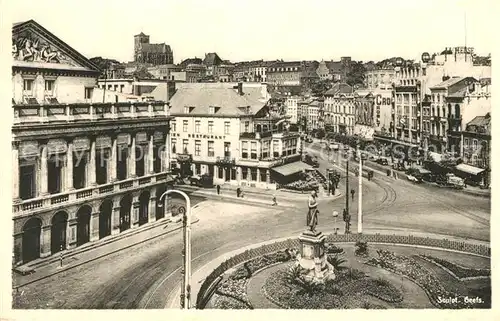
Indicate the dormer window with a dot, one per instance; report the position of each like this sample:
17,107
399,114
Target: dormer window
211,110
186,110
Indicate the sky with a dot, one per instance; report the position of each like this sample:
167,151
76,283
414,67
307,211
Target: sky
265,29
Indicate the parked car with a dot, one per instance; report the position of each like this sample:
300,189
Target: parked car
414,175
202,180
382,161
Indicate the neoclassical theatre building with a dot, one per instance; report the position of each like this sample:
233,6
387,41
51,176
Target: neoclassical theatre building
82,170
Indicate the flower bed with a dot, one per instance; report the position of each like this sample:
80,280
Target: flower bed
234,287
224,302
351,289
330,248
428,281
456,270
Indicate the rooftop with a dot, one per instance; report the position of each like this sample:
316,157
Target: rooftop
339,88
227,100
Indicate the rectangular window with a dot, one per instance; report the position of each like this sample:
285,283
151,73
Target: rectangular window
253,171
211,148
244,149
121,163
226,128
197,148
244,173
49,86
27,183
173,126
54,173
28,85
227,149
197,169
185,143
173,142
474,144
79,169
89,92
263,175
102,157
247,126
197,126
233,174
185,126
253,150
220,172
210,126
276,148
265,148
466,143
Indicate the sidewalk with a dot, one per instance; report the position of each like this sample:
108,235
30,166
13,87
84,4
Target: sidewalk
93,251
200,274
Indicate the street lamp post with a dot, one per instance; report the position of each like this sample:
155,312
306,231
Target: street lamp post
346,148
186,252
360,193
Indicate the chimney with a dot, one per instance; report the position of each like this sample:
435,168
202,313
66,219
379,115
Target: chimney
240,89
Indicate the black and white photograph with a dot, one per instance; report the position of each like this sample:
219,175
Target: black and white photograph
248,155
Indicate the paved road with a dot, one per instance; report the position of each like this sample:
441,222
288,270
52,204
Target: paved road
146,275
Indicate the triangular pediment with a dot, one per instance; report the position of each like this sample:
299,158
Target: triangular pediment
34,46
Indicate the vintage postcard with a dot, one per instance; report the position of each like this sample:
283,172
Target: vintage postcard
249,155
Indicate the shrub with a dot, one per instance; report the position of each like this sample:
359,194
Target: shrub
240,273
330,248
336,261
361,248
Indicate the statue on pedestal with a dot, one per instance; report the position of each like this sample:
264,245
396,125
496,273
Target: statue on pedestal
312,214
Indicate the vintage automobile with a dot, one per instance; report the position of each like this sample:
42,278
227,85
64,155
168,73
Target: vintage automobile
203,180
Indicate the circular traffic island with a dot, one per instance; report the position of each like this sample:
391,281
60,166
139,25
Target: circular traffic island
367,276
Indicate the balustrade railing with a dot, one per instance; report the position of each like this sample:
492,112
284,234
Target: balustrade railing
31,113
82,194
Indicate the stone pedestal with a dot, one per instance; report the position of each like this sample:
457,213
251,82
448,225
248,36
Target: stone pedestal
313,257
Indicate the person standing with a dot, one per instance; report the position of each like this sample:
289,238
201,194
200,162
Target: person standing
352,193
238,192
274,200
218,189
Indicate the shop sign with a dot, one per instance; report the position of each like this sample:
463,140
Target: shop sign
81,143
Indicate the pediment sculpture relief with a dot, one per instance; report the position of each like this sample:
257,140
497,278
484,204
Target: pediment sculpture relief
36,49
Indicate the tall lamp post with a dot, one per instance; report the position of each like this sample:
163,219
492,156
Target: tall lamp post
346,148
360,192
186,252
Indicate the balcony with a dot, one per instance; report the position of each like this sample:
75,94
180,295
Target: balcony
80,195
226,160
87,112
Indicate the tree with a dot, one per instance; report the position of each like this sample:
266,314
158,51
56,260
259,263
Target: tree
356,74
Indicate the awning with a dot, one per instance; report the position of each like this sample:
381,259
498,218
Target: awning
292,168
469,169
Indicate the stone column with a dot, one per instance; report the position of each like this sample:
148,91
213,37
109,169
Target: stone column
115,218
151,154
71,236
15,173
18,248
92,161
216,172
45,241
258,175
94,227
44,177
112,162
268,176
131,159
152,205
69,167
166,153
135,211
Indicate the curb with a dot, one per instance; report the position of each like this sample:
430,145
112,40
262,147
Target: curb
15,287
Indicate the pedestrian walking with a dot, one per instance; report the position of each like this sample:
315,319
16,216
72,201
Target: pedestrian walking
218,189
238,192
352,193
274,200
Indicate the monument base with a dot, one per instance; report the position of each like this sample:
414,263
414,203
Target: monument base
313,257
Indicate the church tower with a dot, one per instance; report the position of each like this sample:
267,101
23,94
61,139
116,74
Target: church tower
138,41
